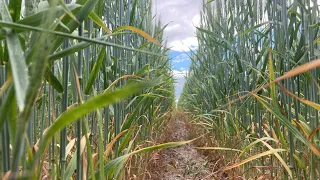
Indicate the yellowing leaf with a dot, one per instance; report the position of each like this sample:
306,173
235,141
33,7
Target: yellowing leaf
296,71
138,31
5,85
122,77
280,159
307,102
253,158
70,146
218,148
110,145
95,18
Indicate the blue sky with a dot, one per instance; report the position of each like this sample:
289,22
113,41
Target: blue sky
181,16
180,66
180,60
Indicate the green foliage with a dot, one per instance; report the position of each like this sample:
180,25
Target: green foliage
243,46
82,74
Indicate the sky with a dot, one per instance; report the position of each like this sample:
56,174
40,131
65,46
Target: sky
182,17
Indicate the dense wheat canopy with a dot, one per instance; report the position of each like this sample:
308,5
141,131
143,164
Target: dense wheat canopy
244,45
83,84
87,89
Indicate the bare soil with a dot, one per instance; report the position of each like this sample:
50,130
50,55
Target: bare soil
179,163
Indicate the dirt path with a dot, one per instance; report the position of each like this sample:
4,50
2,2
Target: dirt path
183,162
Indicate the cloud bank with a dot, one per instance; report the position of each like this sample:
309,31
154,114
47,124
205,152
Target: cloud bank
182,16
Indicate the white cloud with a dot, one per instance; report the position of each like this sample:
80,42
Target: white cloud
178,74
182,16
196,20
184,45
170,28
181,58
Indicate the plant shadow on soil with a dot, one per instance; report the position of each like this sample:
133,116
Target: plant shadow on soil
186,162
